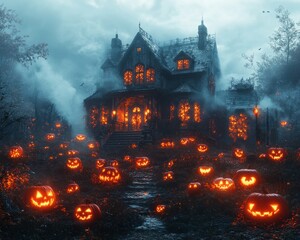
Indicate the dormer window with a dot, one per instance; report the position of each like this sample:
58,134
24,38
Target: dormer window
127,77
139,74
183,64
150,75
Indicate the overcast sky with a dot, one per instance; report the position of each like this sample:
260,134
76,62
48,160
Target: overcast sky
79,31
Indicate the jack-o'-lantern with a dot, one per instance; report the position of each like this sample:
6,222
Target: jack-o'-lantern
94,154
87,212
46,148
167,143
276,154
223,184
221,155
15,152
194,188
205,170
114,163
64,145
74,163
93,145
80,137
133,146
170,163
141,162
100,163
58,125
72,187
40,197
238,153
110,175
168,176
50,137
72,153
202,148
264,207
160,208
247,177
184,141
31,145
262,155
127,158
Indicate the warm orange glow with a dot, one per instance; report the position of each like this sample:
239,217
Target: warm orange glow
58,125
74,163
72,153
92,145
238,153
41,197
31,145
50,137
147,115
167,143
109,175
170,163
141,162
256,111
150,75
127,77
168,176
197,114
172,111
87,212
80,137
223,184
276,154
262,155
127,158
104,116
283,123
202,148
100,163
184,112
114,163
15,152
194,186
14,179
248,181
72,187
238,127
160,208
183,64
139,74
136,119
275,209
205,170
114,113
94,113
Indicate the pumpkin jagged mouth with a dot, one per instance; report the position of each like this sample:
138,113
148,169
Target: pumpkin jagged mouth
73,166
248,182
83,218
223,187
42,204
263,214
276,157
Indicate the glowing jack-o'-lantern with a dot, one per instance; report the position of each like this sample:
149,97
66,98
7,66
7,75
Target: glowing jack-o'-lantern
167,143
110,175
100,163
223,184
87,212
114,163
238,153
72,153
64,145
160,208
168,176
247,177
264,207
58,125
92,145
170,163
72,187
15,152
127,158
184,141
276,154
74,163
202,148
141,162
221,155
133,146
50,137
40,197
80,137
262,155
205,170
194,188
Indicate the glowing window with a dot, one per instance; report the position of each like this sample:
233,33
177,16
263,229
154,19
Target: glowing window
139,49
150,75
127,77
172,110
238,127
184,112
197,117
93,116
183,64
139,74
104,116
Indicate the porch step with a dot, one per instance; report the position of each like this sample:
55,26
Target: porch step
123,139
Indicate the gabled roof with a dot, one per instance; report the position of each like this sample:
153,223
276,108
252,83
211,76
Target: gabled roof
108,63
182,55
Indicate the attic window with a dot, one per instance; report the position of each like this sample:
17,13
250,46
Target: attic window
139,74
127,77
150,75
183,64
138,49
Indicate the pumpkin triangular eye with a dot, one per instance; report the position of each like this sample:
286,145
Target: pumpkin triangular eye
274,206
251,205
88,210
38,195
78,210
50,194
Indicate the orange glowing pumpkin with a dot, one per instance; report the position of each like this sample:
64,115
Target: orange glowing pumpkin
80,137
74,163
239,153
58,125
276,154
72,188
167,143
141,162
264,207
202,148
72,153
114,163
223,184
100,163
168,176
93,145
127,158
15,152
40,197
87,212
64,145
194,188
184,141
109,175
160,208
50,137
247,177
205,170
170,163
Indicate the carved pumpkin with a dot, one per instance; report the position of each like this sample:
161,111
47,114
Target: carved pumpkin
64,145
170,163
141,162
194,188
72,187
168,176
31,145
109,175
223,184
15,152
127,158
202,148
160,208
184,141
114,163
87,212
72,153
40,197
100,163
50,137
167,143
276,154
92,145
74,163
239,153
221,155
80,137
205,170
265,207
58,125
133,146
247,177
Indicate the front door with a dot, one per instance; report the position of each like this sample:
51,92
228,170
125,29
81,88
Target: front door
136,119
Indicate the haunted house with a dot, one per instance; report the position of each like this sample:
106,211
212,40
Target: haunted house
158,89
